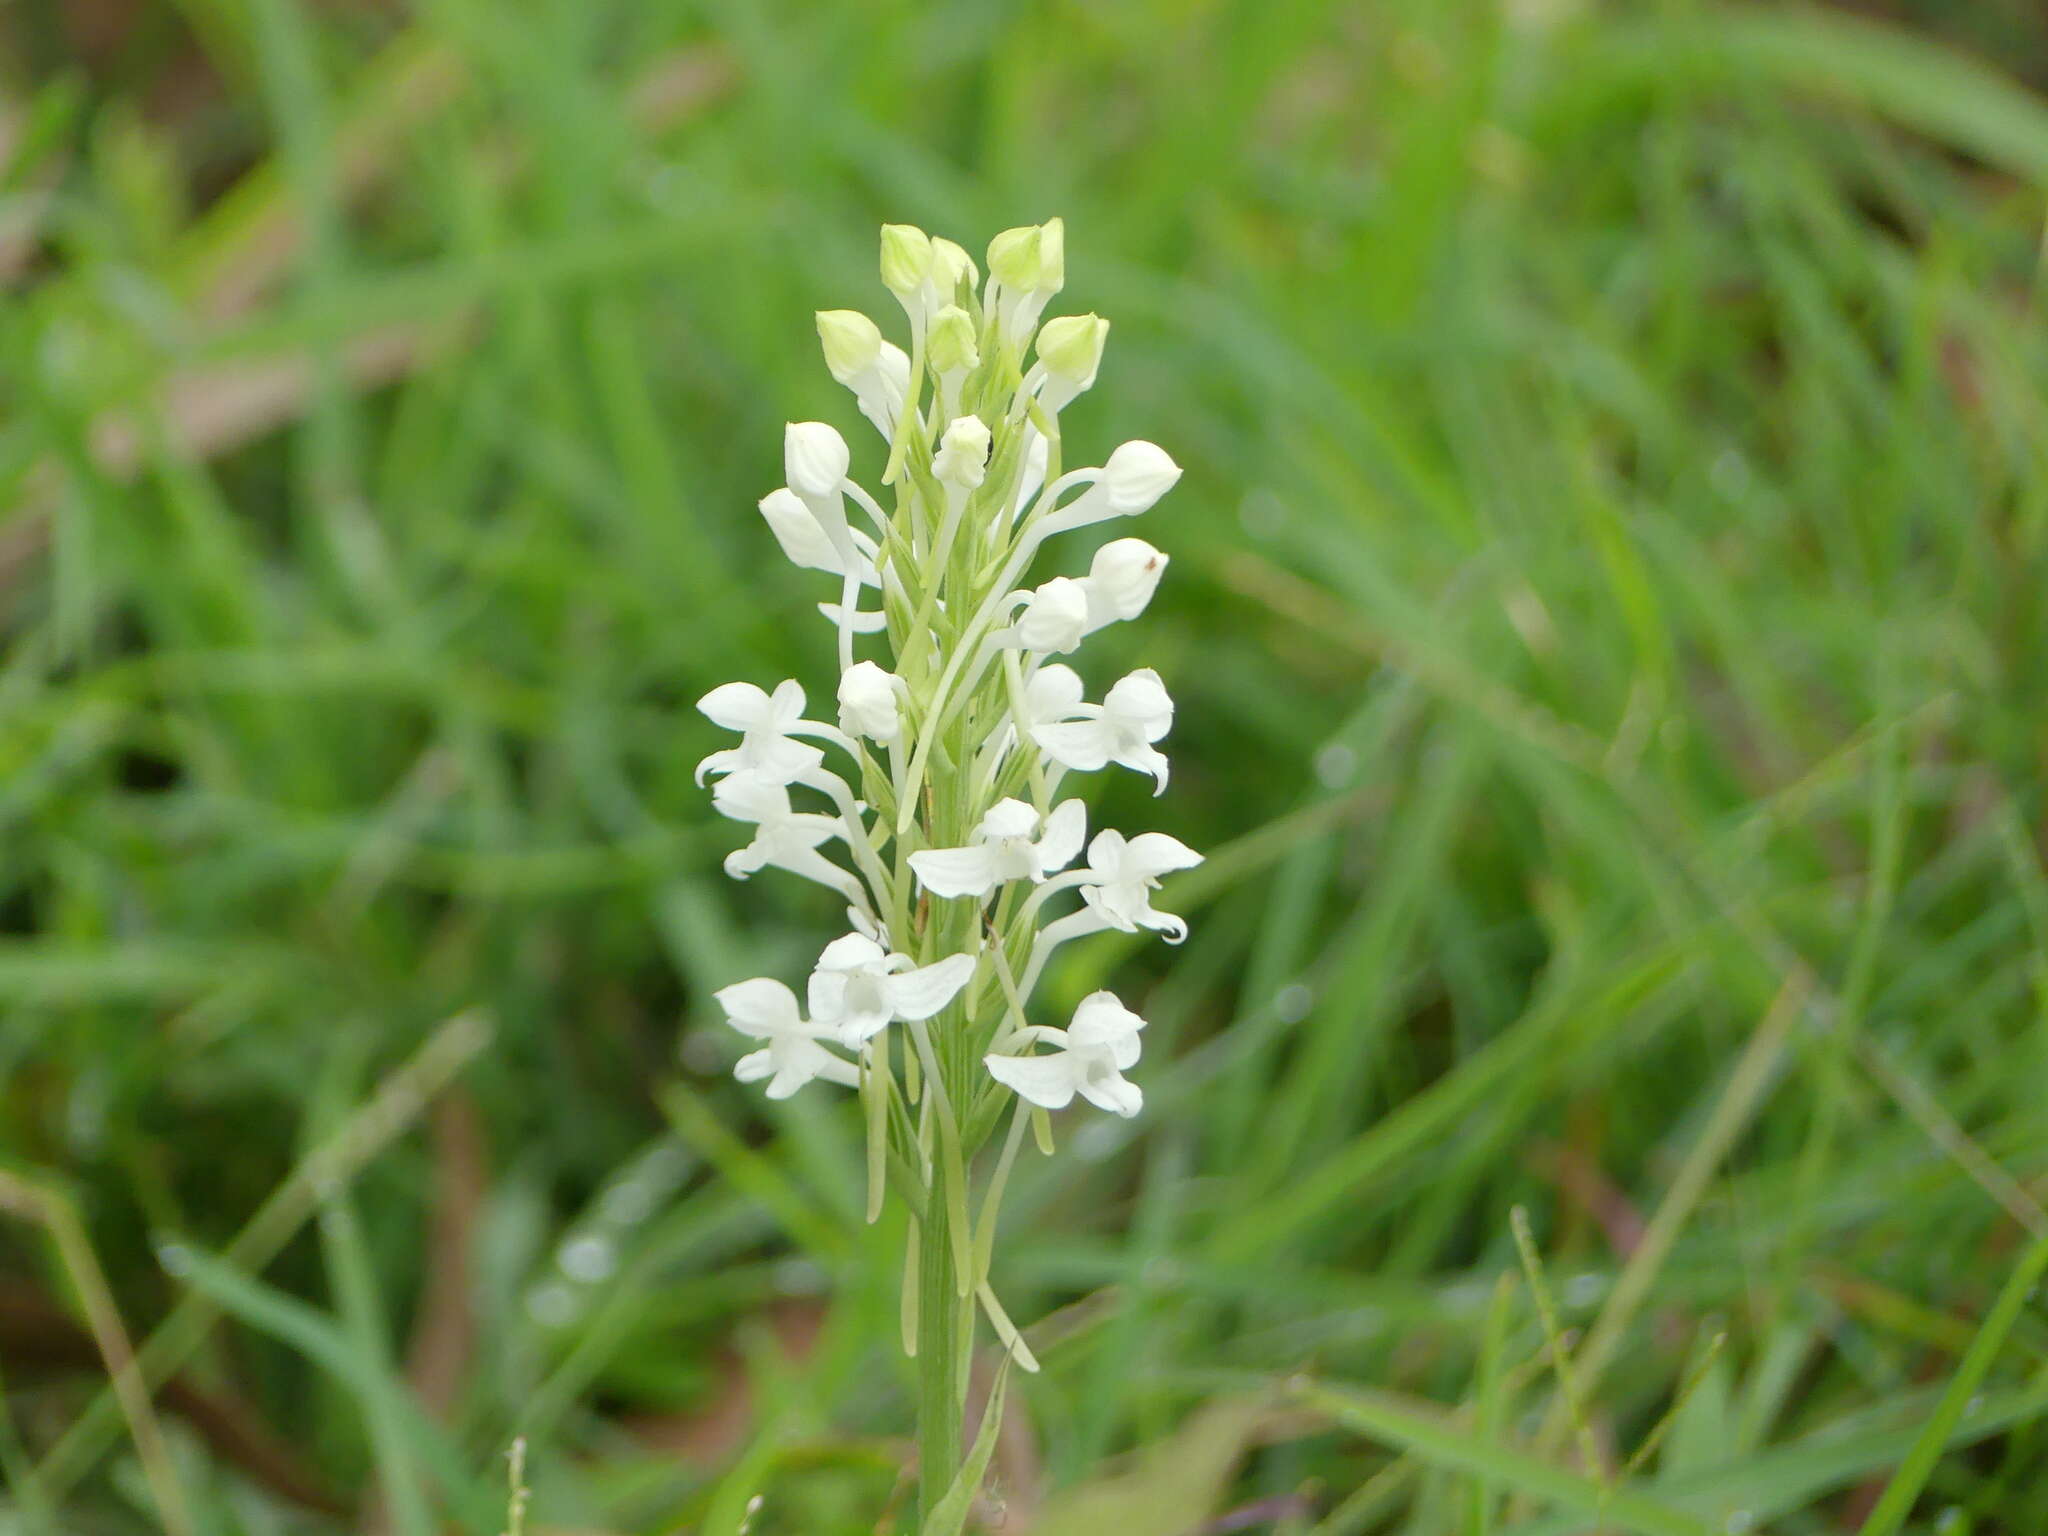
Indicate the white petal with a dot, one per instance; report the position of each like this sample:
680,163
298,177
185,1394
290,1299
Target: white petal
1155,853
827,998
815,458
1083,745
954,871
760,1007
1055,618
1146,759
1008,818
1121,580
923,992
1065,830
1047,1081
1116,1094
864,623
1053,693
1106,855
851,953
1103,1021
1137,475
754,1066
802,539
736,706
1141,700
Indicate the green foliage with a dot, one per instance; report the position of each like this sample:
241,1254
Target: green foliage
1607,629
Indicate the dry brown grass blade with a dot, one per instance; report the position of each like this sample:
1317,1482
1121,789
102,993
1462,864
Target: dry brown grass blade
444,1331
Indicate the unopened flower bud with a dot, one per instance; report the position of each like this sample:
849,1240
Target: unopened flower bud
906,258
815,458
1137,475
1013,257
951,266
1121,580
1055,618
962,458
852,342
950,346
1071,347
870,702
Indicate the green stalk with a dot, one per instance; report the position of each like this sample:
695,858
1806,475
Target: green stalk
942,1380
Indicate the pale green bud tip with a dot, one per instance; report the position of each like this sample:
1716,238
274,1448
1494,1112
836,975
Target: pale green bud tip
851,340
1013,258
1052,255
1071,346
906,257
950,266
950,345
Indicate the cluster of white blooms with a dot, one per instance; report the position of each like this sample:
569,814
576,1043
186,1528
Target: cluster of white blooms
933,803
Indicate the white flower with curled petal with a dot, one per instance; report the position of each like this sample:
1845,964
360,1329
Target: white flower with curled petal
1135,713
859,989
1005,849
806,542
1094,1051
1123,872
1120,581
765,721
877,371
766,1010
783,838
871,702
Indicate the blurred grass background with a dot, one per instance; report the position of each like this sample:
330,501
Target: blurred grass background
1607,620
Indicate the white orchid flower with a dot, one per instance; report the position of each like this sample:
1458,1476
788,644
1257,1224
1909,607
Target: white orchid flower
766,722
871,702
859,989
1123,872
877,371
766,1010
783,838
1135,713
1004,849
1094,1051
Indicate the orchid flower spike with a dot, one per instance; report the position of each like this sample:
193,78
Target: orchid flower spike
940,823
1004,849
1094,1051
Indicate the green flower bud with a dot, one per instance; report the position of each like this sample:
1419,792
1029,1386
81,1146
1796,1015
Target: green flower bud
852,342
1071,347
1013,257
950,344
906,258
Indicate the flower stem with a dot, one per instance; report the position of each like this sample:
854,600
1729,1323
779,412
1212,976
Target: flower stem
942,1379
